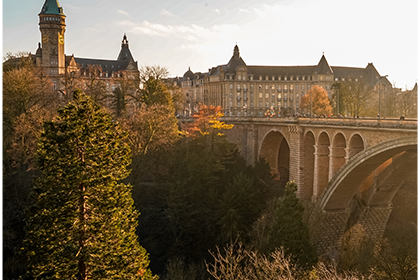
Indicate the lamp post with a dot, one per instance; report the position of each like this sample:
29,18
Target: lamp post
380,83
338,101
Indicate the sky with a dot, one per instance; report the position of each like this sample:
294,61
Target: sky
201,34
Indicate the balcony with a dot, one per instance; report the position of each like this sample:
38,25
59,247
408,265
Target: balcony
238,98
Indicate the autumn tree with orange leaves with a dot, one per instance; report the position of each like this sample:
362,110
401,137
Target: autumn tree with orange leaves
317,100
206,122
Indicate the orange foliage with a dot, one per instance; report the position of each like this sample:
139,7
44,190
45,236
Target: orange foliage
205,121
320,101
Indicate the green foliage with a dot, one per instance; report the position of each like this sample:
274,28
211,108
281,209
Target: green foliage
289,231
81,223
353,96
153,90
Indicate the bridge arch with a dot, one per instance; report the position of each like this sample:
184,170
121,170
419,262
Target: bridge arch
347,181
309,166
275,149
356,145
322,166
337,153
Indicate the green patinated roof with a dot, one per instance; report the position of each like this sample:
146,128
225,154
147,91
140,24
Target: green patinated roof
51,7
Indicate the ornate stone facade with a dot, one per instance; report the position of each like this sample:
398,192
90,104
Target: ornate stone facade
245,90
51,56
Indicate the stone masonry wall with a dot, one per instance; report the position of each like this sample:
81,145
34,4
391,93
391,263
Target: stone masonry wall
327,230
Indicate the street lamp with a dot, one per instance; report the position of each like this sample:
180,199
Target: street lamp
380,83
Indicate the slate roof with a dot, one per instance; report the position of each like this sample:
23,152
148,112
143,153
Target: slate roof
189,75
369,74
107,65
51,7
124,59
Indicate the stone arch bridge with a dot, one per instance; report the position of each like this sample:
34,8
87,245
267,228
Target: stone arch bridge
352,168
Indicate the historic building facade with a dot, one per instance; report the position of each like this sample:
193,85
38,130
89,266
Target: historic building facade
243,89
51,56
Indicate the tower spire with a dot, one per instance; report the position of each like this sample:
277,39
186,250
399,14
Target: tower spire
51,7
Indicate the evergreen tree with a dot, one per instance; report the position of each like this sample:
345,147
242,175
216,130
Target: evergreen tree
289,231
81,224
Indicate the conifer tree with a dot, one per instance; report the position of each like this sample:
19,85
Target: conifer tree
81,224
289,231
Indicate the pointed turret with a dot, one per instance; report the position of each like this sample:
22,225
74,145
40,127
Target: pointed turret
323,67
125,53
235,61
52,7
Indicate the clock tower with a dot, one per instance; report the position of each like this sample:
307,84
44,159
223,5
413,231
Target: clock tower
52,26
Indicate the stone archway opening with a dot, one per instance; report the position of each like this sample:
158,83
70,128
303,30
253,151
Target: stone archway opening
338,154
356,145
321,163
283,163
276,151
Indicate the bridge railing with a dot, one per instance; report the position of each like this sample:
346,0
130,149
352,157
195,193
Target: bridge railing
364,122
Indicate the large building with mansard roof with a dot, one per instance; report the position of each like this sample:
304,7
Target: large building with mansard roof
51,56
250,90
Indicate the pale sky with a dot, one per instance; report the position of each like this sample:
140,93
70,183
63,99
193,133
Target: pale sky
202,34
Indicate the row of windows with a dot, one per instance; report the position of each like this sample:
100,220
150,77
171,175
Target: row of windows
267,95
273,78
272,87
50,19
272,105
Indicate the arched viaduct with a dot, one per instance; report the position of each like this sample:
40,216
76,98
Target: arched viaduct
351,168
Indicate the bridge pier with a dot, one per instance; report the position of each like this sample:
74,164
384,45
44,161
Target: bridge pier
327,231
331,226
